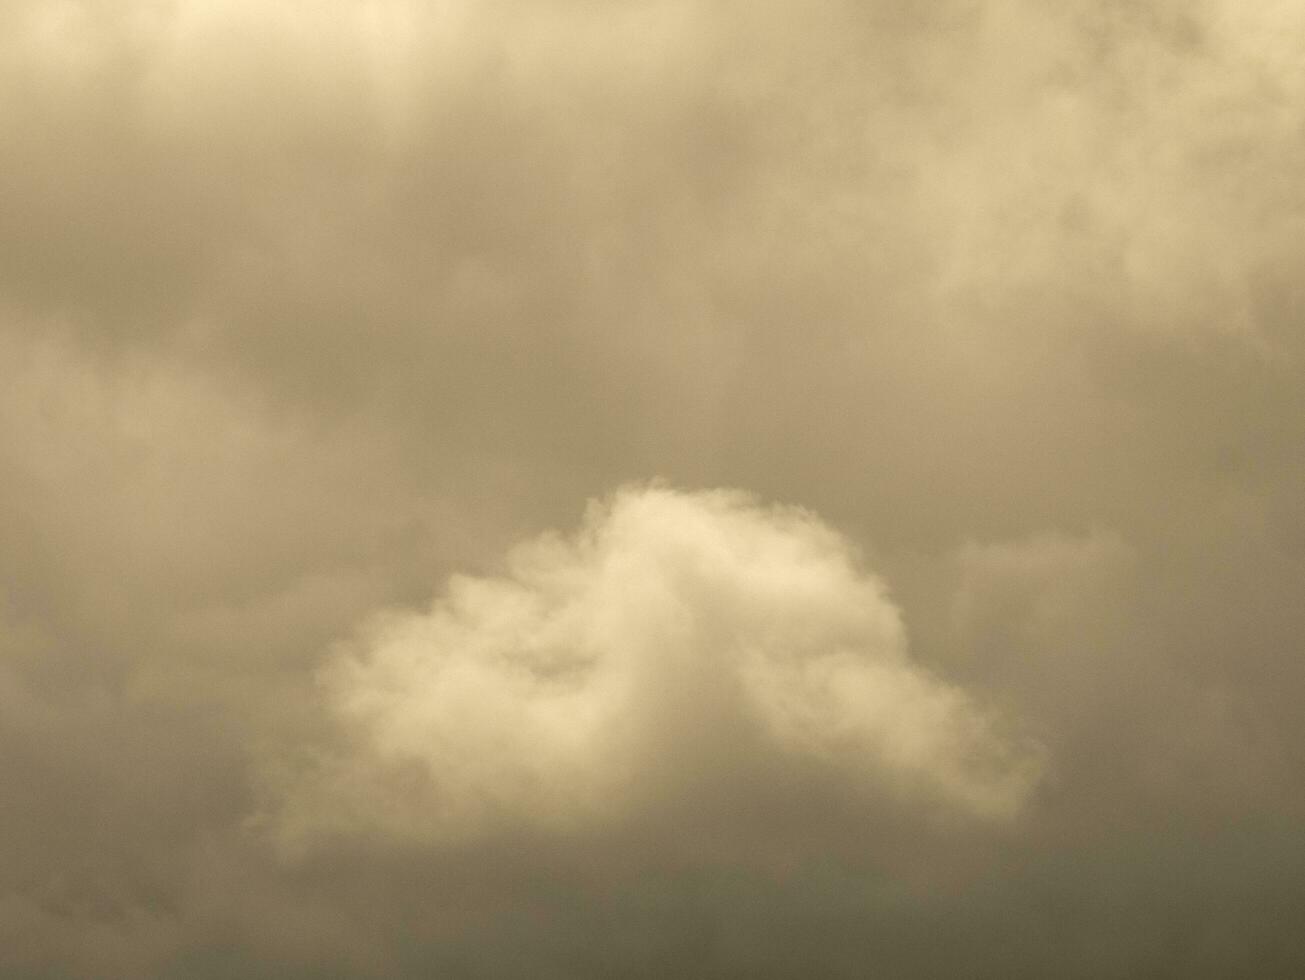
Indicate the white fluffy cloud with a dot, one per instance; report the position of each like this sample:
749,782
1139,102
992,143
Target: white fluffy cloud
675,639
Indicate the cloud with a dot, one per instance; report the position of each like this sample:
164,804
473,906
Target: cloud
304,306
673,641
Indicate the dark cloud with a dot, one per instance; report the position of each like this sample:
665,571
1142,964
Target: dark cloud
305,308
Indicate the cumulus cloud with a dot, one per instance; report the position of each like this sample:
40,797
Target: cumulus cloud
673,638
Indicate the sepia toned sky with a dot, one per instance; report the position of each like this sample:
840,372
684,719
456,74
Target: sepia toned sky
652,488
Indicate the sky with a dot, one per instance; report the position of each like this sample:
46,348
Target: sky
651,488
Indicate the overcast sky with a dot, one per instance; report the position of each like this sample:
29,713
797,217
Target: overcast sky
652,488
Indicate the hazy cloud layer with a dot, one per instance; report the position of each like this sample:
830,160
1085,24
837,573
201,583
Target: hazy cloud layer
308,309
